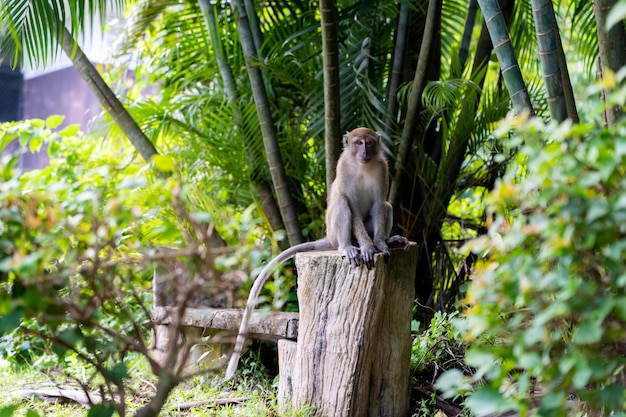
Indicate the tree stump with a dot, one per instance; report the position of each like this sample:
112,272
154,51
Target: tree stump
354,341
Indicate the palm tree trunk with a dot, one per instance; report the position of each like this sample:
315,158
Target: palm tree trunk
263,192
568,91
509,67
268,130
332,100
612,43
395,78
414,102
255,29
547,32
107,98
470,21
230,86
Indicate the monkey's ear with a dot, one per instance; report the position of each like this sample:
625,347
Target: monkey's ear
379,136
345,140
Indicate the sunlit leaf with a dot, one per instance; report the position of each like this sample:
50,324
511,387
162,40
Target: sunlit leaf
164,163
35,144
54,121
37,123
69,130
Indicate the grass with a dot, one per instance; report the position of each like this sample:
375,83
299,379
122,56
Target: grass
255,394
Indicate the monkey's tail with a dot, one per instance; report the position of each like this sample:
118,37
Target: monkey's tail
322,244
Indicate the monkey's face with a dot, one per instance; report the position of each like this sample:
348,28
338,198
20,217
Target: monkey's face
362,144
364,148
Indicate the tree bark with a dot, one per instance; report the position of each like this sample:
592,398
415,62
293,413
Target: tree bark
354,337
547,32
503,47
332,100
612,44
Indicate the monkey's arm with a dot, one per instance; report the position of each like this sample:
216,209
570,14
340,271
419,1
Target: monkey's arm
318,245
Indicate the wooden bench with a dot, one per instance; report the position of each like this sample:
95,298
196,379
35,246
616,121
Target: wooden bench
199,323
267,323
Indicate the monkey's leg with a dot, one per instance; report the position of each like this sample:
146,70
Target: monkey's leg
366,246
340,230
382,221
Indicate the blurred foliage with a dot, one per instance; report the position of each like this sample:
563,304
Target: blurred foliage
436,349
546,309
81,241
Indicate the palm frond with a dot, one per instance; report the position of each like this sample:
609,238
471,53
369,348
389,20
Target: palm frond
31,29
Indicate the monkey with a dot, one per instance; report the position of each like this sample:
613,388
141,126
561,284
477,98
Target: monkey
357,212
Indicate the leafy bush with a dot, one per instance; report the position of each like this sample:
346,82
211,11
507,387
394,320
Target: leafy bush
440,346
80,243
546,315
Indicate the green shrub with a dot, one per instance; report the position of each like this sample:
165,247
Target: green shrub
80,242
546,315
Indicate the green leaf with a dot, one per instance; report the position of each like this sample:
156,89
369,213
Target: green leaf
8,410
582,374
24,138
31,413
10,322
101,410
488,401
451,382
587,333
37,123
613,397
6,139
53,148
70,130
164,163
553,401
35,144
70,337
118,372
54,121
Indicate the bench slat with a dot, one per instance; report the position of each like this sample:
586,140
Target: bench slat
272,323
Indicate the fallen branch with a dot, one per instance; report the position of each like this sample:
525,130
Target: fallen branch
59,395
216,402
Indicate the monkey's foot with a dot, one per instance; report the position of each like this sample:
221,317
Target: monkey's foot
398,242
367,256
352,252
